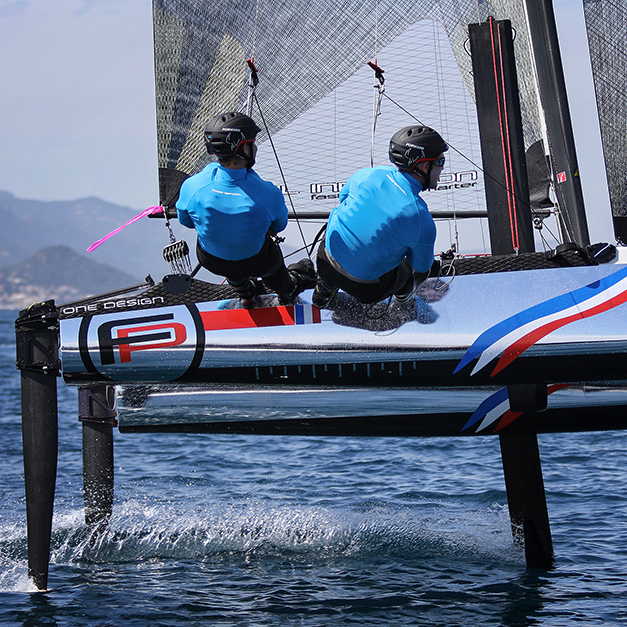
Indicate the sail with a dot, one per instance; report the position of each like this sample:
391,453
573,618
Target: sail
316,94
606,25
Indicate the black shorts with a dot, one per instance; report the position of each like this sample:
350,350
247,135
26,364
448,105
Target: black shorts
396,281
265,262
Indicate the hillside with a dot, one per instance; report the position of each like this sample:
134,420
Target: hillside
58,273
31,225
43,249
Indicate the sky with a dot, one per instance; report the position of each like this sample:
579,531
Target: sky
77,110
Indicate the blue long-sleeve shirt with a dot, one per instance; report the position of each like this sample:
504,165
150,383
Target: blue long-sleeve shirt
231,210
380,220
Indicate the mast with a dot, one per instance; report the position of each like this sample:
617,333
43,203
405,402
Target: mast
501,133
552,88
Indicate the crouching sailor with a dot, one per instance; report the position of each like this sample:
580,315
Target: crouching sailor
380,239
235,213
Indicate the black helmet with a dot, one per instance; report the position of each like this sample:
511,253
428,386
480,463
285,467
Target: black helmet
414,144
226,132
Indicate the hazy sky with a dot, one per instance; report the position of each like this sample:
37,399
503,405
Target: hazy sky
77,111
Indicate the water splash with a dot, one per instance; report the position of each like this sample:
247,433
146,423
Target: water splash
141,532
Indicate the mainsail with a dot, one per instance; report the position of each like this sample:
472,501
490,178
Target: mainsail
606,24
315,91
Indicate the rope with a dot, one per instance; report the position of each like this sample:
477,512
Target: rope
278,162
505,139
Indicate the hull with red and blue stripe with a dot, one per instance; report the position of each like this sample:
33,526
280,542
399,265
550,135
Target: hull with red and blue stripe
546,326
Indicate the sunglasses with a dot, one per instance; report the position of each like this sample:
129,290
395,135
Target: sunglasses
438,162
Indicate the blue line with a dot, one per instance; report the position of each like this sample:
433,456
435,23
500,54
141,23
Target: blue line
299,314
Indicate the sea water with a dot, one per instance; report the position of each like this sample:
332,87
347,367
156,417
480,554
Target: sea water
278,530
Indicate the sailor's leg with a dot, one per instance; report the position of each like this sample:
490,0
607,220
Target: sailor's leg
325,291
404,288
288,282
284,283
324,295
246,290
237,274
408,281
304,275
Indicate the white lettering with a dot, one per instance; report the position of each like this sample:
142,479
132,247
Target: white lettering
118,304
217,191
457,177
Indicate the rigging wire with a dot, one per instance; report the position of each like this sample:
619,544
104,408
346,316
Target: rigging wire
540,226
471,161
278,162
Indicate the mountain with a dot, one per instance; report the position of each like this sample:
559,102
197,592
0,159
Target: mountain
58,273
31,225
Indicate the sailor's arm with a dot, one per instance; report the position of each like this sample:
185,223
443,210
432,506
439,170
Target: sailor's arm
277,210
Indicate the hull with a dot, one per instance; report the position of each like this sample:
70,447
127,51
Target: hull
379,411
566,325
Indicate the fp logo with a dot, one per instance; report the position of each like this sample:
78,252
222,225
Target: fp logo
154,345
138,334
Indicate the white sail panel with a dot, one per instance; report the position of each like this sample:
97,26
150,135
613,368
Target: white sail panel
326,144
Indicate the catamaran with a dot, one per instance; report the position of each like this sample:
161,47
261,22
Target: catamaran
495,90
489,342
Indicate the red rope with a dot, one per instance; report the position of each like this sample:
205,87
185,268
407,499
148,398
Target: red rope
510,190
505,139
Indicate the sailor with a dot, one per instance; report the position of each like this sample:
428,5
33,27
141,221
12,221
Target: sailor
379,240
236,213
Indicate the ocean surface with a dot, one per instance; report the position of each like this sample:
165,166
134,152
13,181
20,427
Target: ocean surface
274,530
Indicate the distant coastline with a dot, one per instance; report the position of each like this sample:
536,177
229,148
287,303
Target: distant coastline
58,273
30,226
